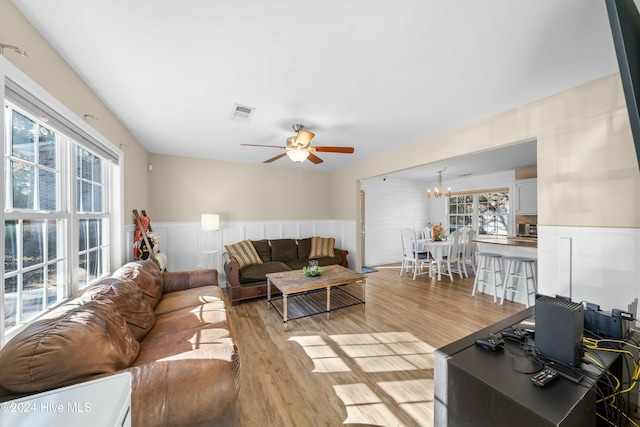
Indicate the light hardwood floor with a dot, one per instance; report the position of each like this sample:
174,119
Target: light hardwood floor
371,366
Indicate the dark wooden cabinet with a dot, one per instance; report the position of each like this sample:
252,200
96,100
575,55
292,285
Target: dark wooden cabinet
478,387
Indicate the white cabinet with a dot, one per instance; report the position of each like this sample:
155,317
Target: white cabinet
102,402
526,197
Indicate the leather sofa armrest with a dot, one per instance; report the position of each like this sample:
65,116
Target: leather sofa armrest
342,254
231,270
181,280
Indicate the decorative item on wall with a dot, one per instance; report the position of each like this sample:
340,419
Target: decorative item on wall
210,222
16,49
437,191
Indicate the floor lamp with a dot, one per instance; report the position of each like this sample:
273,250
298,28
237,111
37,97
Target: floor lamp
210,222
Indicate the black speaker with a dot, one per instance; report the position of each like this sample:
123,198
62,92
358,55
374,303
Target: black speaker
559,329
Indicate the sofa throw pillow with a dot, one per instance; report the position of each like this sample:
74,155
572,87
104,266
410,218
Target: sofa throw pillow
244,252
322,247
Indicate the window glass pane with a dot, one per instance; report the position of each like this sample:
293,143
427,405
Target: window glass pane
78,163
10,301
87,161
10,246
23,177
8,193
52,239
97,198
82,237
61,280
86,197
94,265
23,137
32,242
79,196
48,190
47,148
94,233
82,270
97,170
54,281
32,293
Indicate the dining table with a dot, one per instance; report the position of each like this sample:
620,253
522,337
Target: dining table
438,249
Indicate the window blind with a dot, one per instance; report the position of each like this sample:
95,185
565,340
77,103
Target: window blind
27,101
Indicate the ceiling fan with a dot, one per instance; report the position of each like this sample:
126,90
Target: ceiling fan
298,147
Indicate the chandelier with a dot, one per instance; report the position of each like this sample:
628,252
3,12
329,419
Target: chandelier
437,191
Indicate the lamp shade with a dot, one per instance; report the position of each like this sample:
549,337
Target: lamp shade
303,138
210,222
298,155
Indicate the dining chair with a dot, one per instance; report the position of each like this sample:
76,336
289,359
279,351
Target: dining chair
454,256
411,258
468,249
426,232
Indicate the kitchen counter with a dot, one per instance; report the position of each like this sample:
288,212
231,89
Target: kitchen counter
509,241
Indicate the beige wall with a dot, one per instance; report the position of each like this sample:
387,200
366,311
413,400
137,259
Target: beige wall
588,175
49,70
182,188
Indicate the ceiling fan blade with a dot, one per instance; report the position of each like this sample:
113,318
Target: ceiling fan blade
275,158
346,150
314,159
261,145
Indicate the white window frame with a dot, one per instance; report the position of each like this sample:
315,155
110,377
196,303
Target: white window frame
113,191
475,223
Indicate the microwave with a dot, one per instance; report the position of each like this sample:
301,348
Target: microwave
527,230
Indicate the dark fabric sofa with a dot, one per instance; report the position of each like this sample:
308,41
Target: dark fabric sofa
276,255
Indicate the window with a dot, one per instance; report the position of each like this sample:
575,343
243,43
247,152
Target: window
57,207
493,209
486,212
460,211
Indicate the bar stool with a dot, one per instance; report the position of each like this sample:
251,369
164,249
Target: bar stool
489,264
527,268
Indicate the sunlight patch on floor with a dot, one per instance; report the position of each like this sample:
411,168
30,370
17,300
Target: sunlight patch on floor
364,406
373,354
333,364
384,364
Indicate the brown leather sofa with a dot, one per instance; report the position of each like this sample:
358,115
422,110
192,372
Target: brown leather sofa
276,255
171,331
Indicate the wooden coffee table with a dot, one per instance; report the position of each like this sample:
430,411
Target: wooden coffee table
293,282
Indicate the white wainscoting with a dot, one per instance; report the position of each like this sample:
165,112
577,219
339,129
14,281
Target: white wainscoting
185,243
599,265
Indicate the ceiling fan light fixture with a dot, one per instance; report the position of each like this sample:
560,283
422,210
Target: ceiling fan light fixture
298,156
303,138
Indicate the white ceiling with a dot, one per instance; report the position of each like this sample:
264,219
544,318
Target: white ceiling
372,74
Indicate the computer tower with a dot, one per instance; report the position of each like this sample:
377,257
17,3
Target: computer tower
559,329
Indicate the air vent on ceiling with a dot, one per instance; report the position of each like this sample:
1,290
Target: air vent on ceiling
242,113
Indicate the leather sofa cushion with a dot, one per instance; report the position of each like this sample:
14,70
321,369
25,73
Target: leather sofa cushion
189,363
129,301
70,344
263,248
188,298
284,250
254,273
147,276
